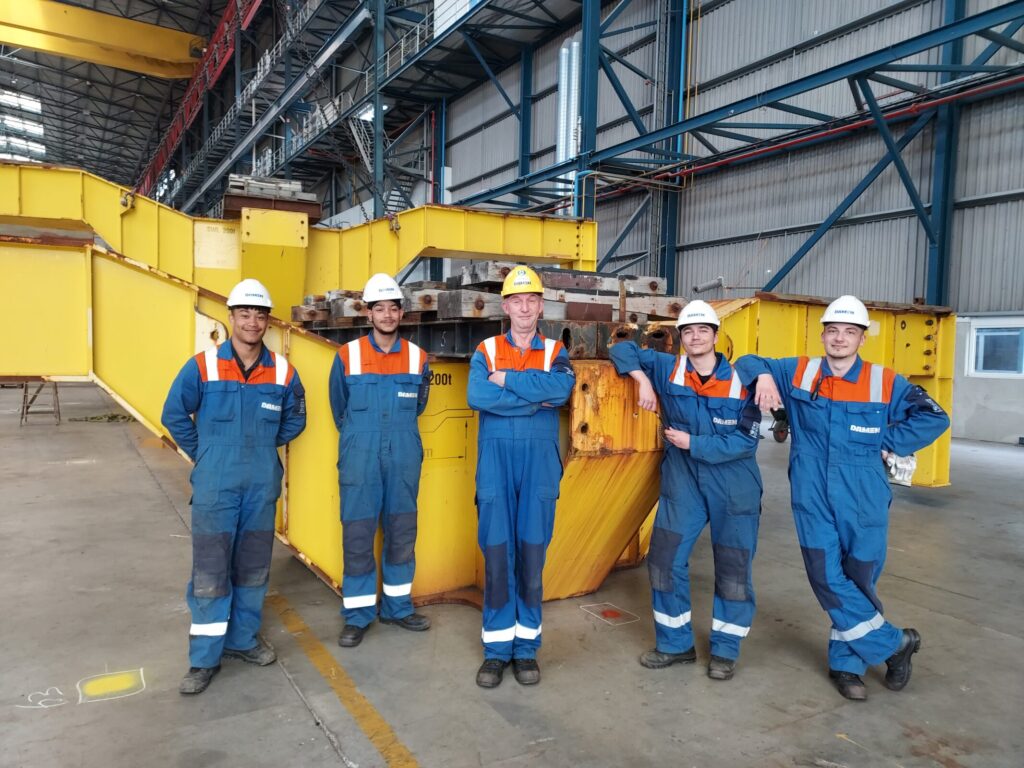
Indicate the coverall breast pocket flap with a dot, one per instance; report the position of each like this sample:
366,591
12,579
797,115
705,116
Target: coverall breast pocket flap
725,417
867,421
221,398
271,396
358,397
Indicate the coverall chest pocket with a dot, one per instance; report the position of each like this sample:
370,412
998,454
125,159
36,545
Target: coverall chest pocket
268,407
866,424
810,414
220,400
679,406
725,416
358,394
407,389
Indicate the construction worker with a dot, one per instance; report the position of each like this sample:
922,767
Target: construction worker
230,409
517,381
379,386
708,475
846,415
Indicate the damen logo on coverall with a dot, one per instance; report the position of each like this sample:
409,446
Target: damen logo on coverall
270,406
865,430
407,394
724,422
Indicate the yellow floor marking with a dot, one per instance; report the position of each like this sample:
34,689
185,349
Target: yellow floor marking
369,720
111,685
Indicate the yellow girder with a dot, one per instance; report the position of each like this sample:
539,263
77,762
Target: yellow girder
99,38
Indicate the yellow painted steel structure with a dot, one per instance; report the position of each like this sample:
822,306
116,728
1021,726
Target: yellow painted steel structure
100,38
134,305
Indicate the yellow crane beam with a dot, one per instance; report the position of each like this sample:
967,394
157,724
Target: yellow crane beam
99,38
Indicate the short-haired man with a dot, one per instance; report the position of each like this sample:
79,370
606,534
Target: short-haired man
517,382
378,388
708,475
230,409
846,415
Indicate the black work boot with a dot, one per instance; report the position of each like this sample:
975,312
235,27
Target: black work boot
351,636
849,685
655,659
197,680
898,674
261,654
721,668
527,671
414,622
490,673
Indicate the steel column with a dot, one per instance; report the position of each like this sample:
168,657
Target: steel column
525,113
379,48
589,64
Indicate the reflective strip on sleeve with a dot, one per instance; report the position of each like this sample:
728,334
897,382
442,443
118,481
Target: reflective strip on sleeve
735,386
526,633
498,635
679,376
490,352
729,629
857,632
216,629
398,590
355,359
672,621
280,369
549,353
359,601
415,358
813,366
211,364
875,393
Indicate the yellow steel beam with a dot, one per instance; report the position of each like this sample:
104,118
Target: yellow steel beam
99,38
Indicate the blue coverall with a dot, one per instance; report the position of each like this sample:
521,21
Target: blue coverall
519,468
233,439
716,481
840,492
376,398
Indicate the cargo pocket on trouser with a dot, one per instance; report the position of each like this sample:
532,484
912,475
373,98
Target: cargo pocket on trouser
660,556
211,553
873,497
814,562
357,545
861,573
252,558
732,572
400,537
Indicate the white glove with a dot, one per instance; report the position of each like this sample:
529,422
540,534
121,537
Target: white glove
901,468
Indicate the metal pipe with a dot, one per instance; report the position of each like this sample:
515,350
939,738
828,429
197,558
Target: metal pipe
572,134
561,145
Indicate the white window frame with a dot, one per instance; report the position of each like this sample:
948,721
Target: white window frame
977,323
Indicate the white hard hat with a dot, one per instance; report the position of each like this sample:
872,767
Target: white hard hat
250,293
698,312
847,309
382,287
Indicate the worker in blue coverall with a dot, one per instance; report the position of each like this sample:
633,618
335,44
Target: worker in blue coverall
230,409
708,475
378,387
517,382
846,416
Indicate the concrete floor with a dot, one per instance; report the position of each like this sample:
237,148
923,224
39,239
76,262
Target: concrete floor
94,553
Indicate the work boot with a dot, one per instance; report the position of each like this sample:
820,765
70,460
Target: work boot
527,671
898,674
490,673
351,636
849,685
655,659
414,622
721,668
197,680
261,654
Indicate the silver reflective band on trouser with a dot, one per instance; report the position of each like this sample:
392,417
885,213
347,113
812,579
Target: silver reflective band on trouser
216,629
680,375
527,633
672,621
729,629
813,366
857,632
875,394
398,590
498,635
359,601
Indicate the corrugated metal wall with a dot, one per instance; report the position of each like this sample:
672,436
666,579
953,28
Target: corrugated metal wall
745,221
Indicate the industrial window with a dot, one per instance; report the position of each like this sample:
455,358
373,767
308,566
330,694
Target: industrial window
996,348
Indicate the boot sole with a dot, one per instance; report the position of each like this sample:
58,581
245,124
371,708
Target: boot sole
231,654
667,664
398,623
